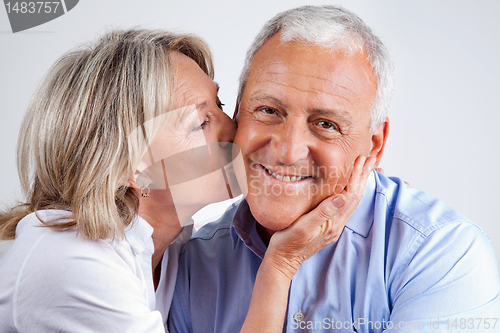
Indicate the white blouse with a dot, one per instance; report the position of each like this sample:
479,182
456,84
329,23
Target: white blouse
53,280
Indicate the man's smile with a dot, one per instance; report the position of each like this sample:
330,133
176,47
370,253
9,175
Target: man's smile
284,175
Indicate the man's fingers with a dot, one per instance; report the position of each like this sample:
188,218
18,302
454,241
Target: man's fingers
335,206
334,212
338,202
361,170
326,210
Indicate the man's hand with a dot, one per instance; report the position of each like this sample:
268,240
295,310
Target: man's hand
290,247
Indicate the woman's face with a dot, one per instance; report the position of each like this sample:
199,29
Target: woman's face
187,156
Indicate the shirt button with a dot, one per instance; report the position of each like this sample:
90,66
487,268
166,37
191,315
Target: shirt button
298,316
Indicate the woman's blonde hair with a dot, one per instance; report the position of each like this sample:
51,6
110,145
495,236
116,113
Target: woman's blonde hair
77,148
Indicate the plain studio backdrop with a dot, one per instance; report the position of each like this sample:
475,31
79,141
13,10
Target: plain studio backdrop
444,136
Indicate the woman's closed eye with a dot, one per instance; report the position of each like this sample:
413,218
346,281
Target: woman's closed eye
205,123
220,105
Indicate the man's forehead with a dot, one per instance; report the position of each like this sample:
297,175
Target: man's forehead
311,68
308,60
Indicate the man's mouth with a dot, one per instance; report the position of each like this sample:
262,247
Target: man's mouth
285,178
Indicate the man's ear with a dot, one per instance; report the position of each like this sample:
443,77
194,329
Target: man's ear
236,110
379,138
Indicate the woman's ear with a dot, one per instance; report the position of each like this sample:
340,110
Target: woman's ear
133,182
139,180
379,138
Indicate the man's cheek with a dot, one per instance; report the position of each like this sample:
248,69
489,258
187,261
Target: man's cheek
342,176
254,188
330,186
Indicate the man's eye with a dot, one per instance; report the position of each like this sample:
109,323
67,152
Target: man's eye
328,125
267,115
269,111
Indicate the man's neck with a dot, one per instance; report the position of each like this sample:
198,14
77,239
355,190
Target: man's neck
264,233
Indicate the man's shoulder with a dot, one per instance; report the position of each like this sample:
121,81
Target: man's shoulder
414,207
425,237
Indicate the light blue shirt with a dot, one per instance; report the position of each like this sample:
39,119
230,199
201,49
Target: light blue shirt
405,262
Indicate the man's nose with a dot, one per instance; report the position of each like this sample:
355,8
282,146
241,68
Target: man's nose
290,141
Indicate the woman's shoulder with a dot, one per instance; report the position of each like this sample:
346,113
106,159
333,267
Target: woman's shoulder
59,272
43,258
35,238
39,218
47,250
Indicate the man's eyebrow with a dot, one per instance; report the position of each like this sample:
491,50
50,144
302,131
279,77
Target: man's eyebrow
259,96
338,113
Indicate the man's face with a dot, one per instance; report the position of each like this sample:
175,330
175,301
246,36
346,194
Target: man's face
304,118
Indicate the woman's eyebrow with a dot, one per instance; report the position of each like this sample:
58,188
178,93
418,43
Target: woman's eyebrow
205,103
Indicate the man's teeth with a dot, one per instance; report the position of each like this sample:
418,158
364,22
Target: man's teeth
285,178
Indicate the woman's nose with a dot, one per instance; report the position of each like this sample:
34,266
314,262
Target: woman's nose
226,128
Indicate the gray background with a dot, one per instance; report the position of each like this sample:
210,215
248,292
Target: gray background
444,135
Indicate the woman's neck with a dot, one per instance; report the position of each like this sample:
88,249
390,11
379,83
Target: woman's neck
166,226
167,221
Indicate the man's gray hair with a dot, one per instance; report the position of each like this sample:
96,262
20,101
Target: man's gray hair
336,28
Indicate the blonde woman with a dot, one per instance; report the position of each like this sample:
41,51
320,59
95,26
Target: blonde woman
97,237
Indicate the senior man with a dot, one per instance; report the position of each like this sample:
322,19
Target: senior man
313,97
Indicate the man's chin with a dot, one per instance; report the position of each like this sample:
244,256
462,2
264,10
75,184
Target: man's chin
275,224
274,221
274,214
269,226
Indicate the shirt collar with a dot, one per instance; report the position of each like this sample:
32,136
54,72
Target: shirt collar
138,234
244,227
